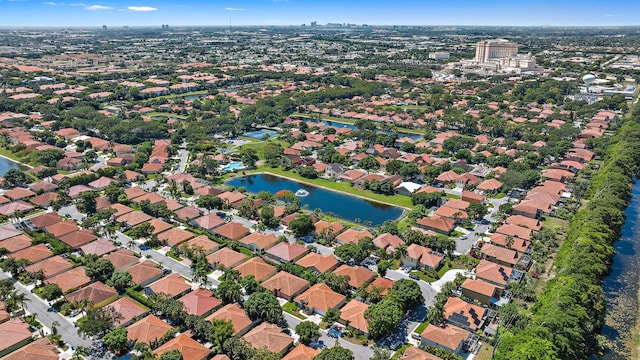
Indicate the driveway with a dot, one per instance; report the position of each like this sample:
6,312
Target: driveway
72,212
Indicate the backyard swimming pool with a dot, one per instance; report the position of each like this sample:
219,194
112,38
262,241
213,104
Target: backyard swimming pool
232,166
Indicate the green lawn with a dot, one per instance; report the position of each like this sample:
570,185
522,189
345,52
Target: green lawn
398,200
421,327
400,351
423,277
14,156
443,269
451,196
293,309
259,145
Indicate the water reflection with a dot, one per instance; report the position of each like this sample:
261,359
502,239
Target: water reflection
346,206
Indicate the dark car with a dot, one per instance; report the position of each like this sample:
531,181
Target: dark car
414,276
395,345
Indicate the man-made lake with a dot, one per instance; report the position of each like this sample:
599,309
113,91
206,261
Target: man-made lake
337,124
621,286
6,165
345,206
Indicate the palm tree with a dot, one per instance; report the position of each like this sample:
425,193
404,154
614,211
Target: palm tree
436,314
509,241
85,304
80,352
17,299
54,327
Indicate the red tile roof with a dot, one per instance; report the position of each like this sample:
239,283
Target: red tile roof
200,302
189,348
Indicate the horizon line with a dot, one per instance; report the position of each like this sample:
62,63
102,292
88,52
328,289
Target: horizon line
304,25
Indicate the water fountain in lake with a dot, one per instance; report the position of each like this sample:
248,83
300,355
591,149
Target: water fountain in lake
302,193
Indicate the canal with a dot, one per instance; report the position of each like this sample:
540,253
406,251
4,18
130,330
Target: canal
621,287
345,206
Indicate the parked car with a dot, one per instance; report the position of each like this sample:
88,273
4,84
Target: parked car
414,276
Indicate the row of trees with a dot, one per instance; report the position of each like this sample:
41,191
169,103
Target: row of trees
570,312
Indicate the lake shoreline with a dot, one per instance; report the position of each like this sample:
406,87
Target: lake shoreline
405,210
16,162
328,188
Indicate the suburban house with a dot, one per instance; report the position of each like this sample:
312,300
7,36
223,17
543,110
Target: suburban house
358,275
419,257
226,257
300,352
438,224
352,314
234,313
388,242
465,315
147,330
99,293
145,273
319,298
257,267
353,236
271,337
258,242
286,252
190,348
484,292
172,285
449,337
200,302
317,263
70,280
129,309
497,274
285,285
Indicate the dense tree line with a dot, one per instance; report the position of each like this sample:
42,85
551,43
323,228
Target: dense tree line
565,321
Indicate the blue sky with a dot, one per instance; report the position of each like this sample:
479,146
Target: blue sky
287,12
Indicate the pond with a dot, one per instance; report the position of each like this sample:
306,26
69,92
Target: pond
345,206
336,124
195,97
6,165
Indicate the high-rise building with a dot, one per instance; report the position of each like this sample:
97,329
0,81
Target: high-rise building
487,50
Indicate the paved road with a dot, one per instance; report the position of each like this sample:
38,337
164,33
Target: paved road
156,256
428,292
184,156
38,306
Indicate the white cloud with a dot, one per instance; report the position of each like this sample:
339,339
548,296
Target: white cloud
142,8
50,3
234,9
98,7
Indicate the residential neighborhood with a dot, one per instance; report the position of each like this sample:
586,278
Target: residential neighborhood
282,194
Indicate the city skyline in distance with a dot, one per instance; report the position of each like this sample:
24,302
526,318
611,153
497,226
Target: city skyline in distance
18,13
